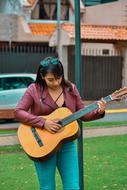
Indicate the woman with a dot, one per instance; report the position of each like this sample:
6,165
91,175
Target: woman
49,92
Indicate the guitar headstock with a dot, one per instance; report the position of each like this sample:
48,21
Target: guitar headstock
119,94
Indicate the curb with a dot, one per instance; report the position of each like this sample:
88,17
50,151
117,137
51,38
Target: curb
116,110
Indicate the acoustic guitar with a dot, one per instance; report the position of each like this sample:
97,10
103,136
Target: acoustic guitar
39,144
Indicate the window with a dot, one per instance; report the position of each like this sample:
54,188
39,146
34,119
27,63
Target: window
48,9
105,51
96,2
17,82
107,1
1,86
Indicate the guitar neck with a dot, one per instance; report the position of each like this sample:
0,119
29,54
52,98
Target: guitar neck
82,112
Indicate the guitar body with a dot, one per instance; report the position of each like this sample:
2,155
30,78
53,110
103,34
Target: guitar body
50,143
39,144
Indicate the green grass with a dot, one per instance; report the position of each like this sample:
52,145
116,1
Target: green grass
103,124
105,163
17,171
8,131
105,166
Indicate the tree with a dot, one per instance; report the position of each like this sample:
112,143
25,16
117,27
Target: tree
15,4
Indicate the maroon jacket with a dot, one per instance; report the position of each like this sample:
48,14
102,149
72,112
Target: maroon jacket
37,102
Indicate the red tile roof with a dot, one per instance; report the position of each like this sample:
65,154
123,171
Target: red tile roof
88,32
30,3
42,28
98,32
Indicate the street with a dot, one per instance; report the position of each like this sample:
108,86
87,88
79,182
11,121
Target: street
114,117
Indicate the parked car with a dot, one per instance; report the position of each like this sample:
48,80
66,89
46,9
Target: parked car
12,87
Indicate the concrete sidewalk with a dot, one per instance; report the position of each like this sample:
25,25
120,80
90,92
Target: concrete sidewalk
12,139
104,131
8,140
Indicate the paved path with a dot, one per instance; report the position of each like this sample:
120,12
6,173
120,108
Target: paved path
6,140
12,139
105,131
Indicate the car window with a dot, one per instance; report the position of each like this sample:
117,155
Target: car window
17,82
1,86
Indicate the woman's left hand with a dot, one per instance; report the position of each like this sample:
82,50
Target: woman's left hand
102,106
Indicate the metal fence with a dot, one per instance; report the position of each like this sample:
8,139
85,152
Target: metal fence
100,75
23,57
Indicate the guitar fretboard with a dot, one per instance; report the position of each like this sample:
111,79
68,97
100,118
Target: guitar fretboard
83,112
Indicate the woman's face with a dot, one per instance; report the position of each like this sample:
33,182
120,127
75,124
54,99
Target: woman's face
52,81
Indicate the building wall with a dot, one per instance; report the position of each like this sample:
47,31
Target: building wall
107,14
100,49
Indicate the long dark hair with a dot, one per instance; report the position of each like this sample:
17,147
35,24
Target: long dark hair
51,65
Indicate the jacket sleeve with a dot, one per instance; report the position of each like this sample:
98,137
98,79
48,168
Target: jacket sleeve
93,115
22,111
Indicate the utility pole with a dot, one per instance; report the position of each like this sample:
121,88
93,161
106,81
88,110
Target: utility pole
59,29
78,82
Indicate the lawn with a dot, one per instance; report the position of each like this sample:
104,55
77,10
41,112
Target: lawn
105,166
104,123
105,163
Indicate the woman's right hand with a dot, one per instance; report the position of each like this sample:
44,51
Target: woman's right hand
52,126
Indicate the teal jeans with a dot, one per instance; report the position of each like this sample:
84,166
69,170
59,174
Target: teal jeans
66,161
